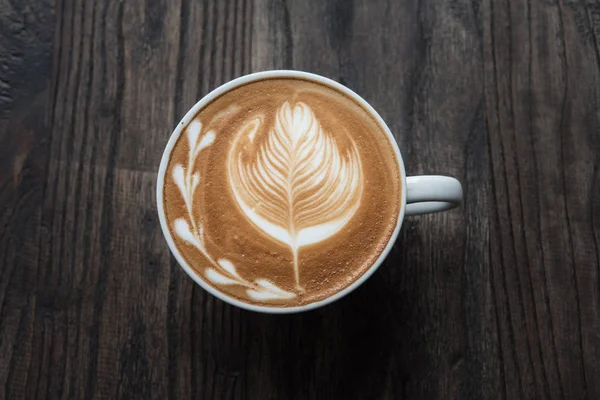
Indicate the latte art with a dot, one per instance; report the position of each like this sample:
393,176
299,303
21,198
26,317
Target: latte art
298,186
223,271
281,192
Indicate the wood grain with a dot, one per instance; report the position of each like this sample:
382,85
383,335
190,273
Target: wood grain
497,299
542,93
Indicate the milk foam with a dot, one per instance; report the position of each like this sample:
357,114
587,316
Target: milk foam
298,187
187,180
282,192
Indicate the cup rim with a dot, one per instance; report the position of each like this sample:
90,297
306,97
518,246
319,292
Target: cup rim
245,79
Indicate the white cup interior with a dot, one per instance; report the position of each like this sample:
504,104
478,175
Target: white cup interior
192,113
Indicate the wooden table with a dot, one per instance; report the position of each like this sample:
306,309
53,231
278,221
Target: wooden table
498,299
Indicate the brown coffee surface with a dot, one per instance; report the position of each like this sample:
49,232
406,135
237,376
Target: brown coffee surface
282,191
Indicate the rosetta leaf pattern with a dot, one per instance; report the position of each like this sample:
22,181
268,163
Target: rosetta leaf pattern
190,230
299,187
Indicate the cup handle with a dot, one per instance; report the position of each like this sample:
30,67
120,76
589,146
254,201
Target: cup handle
432,193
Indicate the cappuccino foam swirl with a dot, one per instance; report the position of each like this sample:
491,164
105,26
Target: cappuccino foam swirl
297,186
282,192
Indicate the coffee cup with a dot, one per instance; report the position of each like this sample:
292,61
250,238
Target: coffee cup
283,191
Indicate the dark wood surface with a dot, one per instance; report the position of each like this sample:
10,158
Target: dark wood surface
499,299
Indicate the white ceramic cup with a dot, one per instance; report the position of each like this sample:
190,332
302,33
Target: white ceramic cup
420,194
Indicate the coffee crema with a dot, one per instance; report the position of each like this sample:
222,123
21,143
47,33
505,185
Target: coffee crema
282,192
